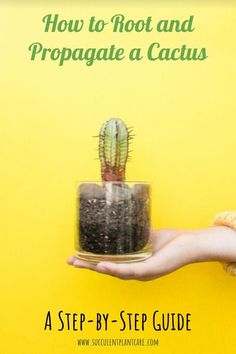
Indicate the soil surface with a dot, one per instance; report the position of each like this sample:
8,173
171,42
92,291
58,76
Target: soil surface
113,219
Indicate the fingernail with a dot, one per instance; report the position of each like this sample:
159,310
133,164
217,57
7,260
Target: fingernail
70,260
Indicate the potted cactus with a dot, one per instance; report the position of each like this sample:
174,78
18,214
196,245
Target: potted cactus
113,215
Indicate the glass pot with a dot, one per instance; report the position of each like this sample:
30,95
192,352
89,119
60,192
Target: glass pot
113,221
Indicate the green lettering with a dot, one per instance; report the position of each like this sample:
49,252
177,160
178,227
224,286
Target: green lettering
35,48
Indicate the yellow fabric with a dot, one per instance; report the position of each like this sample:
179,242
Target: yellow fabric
227,218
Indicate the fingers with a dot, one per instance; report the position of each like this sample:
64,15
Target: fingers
71,260
144,270
80,264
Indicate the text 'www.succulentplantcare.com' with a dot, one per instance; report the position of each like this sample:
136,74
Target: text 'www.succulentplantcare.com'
155,51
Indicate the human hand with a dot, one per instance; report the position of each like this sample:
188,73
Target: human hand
172,249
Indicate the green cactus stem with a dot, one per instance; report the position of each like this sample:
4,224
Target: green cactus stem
114,139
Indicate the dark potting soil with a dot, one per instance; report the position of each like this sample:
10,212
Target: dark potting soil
117,226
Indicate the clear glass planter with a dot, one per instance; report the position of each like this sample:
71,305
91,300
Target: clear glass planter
113,221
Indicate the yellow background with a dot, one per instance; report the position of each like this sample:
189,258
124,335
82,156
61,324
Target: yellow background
183,114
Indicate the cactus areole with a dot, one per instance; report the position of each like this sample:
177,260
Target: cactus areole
114,138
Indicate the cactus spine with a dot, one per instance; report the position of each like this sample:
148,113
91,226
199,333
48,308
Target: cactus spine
114,139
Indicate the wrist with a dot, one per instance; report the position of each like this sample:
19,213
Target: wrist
213,244
192,246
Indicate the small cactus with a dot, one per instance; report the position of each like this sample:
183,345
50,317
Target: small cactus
114,139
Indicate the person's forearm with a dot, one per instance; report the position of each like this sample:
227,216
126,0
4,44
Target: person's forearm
212,244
